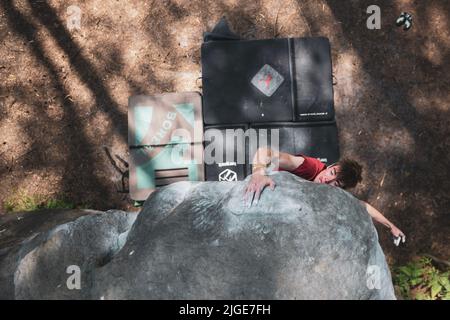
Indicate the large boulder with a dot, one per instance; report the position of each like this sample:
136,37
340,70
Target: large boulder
37,248
198,240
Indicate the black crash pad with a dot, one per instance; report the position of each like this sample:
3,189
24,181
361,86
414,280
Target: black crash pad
317,140
257,81
231,169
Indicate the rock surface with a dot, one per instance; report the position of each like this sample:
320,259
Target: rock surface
36,248
197,240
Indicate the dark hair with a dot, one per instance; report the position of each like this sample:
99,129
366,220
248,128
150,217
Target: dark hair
349,174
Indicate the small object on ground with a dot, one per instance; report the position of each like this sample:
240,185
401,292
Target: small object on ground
401,19
138,203
404,19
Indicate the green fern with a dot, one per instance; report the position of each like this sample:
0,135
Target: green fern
420,280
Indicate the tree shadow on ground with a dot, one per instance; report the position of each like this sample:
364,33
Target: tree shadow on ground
80,161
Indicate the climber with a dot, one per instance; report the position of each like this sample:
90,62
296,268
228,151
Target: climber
344,174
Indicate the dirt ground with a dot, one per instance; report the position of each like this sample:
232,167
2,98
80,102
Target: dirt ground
63,96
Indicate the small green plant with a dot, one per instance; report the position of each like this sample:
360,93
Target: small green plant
420,280
23,202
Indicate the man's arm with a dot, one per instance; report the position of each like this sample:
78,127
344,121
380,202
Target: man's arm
266,156
378,216
262,159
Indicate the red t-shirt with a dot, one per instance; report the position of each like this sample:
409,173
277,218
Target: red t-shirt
309,169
